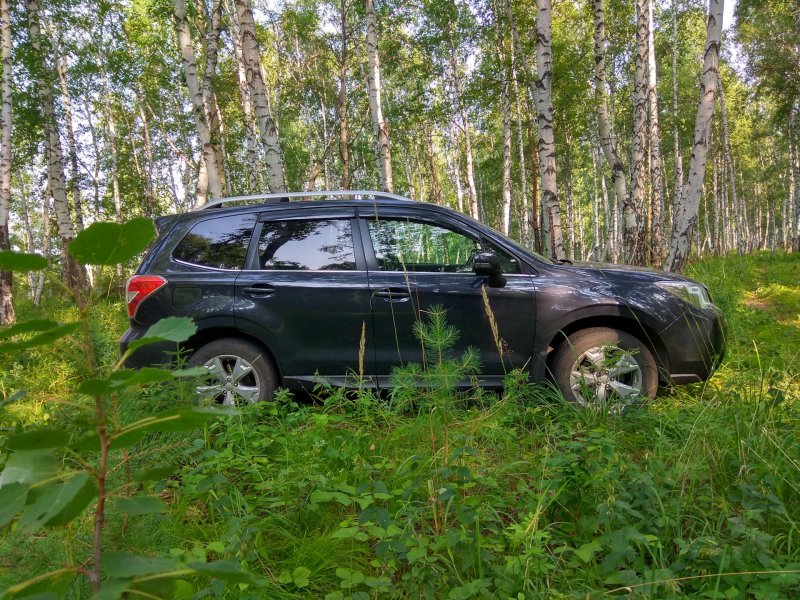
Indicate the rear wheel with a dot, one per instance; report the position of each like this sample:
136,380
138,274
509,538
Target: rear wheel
239,372
604,367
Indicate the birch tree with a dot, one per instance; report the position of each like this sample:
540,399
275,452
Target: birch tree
197,97
258,93
607,139
379,123
632,208
547,146
686,206
7,315
73,275
656,162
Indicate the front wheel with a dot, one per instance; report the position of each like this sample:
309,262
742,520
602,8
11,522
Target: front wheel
603,367
239,372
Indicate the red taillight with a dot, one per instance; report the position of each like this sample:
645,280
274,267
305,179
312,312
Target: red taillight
140,287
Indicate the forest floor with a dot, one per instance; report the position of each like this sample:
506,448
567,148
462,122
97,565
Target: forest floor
462,495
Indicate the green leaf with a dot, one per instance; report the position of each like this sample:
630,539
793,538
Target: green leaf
226,570
32,326
18,395
587,551
45,337
113,589
122,379
21,262
38,438
12,500
112,243
187,418
141,505
124,565
300,576
59,503
29,466
171,329
154,473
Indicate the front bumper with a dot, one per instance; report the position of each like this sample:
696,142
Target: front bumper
696,343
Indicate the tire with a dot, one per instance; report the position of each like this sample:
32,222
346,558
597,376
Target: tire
239,372
603,367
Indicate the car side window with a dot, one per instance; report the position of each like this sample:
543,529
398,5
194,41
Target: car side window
307,246
219,243
508,263
404,245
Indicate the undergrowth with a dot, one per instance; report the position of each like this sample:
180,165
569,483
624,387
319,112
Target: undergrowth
441,492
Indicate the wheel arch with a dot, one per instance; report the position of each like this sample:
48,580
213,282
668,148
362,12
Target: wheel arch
209,334
631,326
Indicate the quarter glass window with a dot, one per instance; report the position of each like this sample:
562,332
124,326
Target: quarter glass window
217,243
306,246
402,245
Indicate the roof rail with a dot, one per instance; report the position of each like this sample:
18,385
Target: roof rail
287,196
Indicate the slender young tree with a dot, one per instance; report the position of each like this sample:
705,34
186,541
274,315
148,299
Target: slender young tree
547,145
341,104
379,122
258,94
7,315
686,207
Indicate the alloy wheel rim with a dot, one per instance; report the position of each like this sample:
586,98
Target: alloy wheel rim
606,376
231,381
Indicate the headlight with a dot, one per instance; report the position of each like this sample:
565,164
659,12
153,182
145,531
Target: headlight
692,293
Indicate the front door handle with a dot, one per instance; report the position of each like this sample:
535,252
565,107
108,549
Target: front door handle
259,291
393,294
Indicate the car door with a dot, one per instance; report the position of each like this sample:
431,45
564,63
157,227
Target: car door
415,263
305,294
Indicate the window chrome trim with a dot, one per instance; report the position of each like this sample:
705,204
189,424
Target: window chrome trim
217,269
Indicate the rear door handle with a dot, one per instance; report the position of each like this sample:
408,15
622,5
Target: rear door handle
393,294
259,291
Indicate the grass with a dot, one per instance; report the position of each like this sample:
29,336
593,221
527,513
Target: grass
461,495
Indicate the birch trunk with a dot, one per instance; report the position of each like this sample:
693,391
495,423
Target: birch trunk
678,156
685,212
635,249
727,159
465,125
506,220
384,151
258,94
547,146
607,138
73,275
254,179
341,105
149,184
74,176
525,231
46,241
7,315
202,118
657,249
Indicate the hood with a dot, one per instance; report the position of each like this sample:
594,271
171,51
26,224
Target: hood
625,272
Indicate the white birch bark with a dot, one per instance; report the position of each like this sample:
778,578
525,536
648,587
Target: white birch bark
458,87
657,249
635,250
197,98
685,212
677,155
73,274
379,123
7,315
254,179
525,232
258,93
547,146
341,104
506,220
607,139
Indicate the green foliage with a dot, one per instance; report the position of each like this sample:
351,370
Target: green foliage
50,475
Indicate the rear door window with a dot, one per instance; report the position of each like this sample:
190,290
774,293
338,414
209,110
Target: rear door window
219,243
306,246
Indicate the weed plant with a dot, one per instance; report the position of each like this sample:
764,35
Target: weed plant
445,491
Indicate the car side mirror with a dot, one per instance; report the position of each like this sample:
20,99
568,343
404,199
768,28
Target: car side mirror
487,264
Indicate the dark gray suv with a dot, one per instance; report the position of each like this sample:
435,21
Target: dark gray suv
283,293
